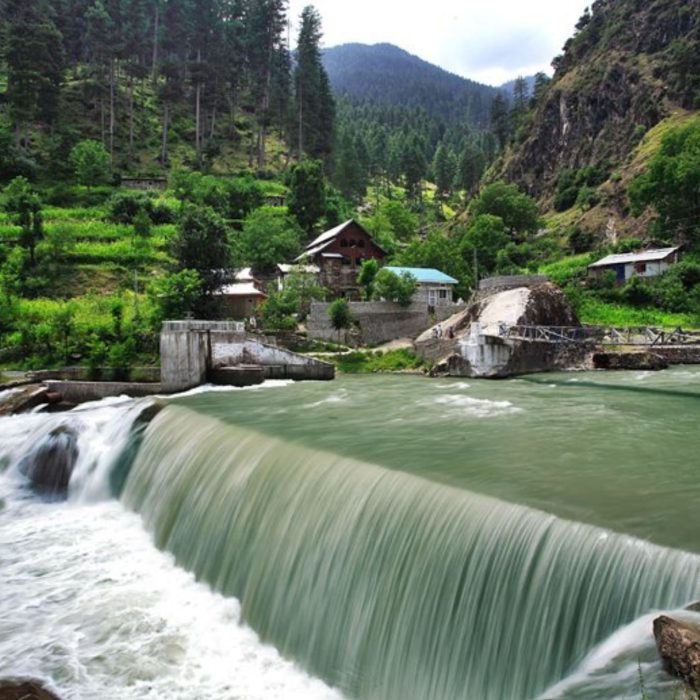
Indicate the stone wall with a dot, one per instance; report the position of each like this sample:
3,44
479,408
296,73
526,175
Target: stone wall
500,284
378,321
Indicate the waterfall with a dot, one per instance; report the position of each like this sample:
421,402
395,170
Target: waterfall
385,584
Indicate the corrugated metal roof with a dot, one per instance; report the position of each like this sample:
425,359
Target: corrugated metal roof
644,256
308,269
424,275
240,290
310,252
328,235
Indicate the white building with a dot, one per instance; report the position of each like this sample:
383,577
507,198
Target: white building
648,263
435,288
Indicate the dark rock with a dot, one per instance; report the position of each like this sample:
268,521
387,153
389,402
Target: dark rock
50,465
679,647
25,690
639,360
149,413
26,399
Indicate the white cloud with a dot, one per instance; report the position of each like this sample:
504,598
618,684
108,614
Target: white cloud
490,41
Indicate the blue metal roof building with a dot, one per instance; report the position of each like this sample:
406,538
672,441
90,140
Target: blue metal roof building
424,275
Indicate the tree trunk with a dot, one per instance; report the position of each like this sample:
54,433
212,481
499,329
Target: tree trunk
301,119
213,122
103,128
262,132
111,111
164,143
154,58
198,112
131,120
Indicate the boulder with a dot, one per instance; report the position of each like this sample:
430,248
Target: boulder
679,647
50,465
639,360
447,345
24,690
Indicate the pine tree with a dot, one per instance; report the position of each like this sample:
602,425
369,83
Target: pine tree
443,170
499,119
314,104
33,55
265,24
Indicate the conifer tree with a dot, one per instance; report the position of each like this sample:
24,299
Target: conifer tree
314,105
33,54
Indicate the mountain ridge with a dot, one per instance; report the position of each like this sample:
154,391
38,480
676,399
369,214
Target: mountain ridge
386,73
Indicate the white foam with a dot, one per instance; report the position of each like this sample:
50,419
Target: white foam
477,408
91,606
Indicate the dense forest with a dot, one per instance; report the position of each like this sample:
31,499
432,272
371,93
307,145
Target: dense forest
159,83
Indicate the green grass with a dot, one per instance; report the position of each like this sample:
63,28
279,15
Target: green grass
365,362
598,313
73,213
568,269
122,252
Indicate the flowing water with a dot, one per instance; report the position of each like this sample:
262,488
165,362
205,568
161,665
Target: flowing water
374,537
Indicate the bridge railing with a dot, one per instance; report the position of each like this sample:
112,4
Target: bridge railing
602,335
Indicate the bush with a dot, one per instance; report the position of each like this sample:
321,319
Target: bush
125,206
580,241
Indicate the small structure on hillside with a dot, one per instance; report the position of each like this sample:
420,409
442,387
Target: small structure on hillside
647,263
241,297
338,253
434,288
144,183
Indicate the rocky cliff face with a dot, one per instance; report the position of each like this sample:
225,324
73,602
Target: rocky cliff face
631,64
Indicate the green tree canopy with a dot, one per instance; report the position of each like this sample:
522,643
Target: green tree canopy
671,185
392,287
484,237
307,194
340,315
269,237
23,205
90,162
366,275
517,210
201,244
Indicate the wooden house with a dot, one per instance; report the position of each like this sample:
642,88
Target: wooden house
338,254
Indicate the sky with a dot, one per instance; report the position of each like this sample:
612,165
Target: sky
490,41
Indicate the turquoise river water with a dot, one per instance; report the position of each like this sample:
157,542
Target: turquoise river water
381,537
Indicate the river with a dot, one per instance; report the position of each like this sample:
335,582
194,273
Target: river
374,537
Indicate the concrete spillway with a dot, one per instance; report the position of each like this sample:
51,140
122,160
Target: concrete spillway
195,352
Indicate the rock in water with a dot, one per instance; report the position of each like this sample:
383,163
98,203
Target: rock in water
679,646
24,690
50,465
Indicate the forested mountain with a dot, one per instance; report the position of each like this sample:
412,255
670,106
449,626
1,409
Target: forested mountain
627,76
385,74
509,87
183,82
402,118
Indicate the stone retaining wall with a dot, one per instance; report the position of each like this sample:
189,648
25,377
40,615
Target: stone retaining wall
505,282
378,321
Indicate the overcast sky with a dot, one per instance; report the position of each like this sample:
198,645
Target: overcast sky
490,41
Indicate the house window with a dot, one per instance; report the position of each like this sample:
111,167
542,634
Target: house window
361,243
347,261
443,294
640,268
353,243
